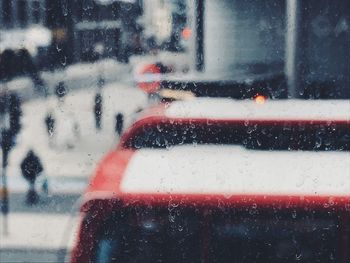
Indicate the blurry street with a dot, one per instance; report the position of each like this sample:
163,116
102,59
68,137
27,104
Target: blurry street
37,233
239,152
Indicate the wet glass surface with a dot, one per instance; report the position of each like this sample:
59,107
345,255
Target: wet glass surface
77,76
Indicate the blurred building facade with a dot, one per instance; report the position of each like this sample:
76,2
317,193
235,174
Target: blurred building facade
23,25
93,28
22,13
307,41
81,30
86,30
164,21
24,36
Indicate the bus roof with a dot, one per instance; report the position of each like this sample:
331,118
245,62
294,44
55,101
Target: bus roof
233,175
234,170
251,110
228,170
331,110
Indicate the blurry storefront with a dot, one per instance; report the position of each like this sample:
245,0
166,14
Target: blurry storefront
23,25
93,28
308,42
21,13
164,22
24,37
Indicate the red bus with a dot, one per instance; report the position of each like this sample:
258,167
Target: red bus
223,181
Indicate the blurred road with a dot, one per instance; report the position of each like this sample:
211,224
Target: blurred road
38,233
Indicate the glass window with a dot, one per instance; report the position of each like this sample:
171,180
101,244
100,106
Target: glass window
307,137
224,235
206,131
7,12
22,12
36,12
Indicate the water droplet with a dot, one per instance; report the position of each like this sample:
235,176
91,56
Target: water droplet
209,122
318,143
258,142
171,218
227,196
64,62
64,9
347,207
331,201
159,128
128,7
58,48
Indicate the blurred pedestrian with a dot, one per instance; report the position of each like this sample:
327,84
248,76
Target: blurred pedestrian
98,110
15,114
50,126
100,82
8,65
152,45
3,104
31,168
28,67
44,181
66,132
119,123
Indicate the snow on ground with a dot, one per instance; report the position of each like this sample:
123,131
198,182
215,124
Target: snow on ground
39,238
38,227
77,107
37,233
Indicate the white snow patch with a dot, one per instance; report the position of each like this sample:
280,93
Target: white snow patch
30,38
39,231
77,107
270,110
234,170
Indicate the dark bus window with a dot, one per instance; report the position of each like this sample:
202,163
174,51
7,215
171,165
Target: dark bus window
227,235
256,136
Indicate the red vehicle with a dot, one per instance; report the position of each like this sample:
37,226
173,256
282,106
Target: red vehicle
224,181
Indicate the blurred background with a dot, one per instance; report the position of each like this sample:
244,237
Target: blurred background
74,75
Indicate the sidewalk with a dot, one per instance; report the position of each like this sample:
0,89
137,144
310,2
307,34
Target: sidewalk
38,233
91,145
35,237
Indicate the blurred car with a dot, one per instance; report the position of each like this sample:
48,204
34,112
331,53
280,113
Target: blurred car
150,71
149,75
169,86
217,180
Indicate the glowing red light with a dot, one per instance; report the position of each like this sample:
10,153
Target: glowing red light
186,33
260,99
